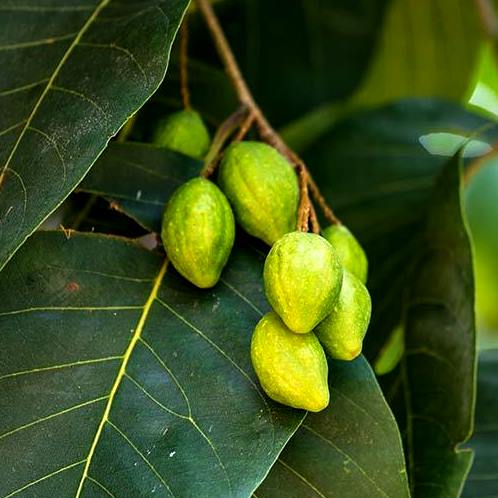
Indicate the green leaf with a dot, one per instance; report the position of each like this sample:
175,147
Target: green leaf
119,378
139,178
439,364
483,479
352,449
355,393
71,76
427,49
377,173
325,62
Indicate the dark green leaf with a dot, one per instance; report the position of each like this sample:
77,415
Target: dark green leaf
139,178
351,449
120,379
312,51
439,362
376,172
71,76
483,479
355,393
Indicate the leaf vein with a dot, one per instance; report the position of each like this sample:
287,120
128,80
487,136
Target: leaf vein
345,454
224,354
44,478
51,416
142,456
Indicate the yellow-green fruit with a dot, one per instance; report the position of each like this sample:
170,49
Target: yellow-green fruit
350,252
185,132
263,189
291,368
198,231
303,277
342,332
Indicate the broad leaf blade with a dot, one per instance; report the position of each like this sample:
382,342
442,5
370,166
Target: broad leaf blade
139,178
376,172
439,363
355,394
483,479
416,58
351,449
71,76
128,378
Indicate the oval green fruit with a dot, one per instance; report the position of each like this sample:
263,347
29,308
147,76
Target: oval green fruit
198,231
291,368
342,332
185,132
350,252
263,189
303,277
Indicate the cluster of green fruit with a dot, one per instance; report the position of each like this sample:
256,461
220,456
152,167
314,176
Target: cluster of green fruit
314,283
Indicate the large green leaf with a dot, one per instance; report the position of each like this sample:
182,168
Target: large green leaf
377,171
438,368
139,178
325,459
483,479
71,76
313,51
358,421
119,379
426,49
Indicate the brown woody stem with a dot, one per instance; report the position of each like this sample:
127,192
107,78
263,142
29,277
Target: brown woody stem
266,131
227,128
184,64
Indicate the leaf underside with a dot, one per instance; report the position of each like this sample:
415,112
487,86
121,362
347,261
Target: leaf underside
438,368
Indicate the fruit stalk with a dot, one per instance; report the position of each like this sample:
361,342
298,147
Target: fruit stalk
266,131
184,64
229,126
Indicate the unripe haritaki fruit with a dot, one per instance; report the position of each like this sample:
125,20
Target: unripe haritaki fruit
263,189
198,231
349,250
342,332
292,368
303,277
185,132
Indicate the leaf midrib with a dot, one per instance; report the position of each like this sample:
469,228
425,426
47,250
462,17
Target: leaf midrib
122,371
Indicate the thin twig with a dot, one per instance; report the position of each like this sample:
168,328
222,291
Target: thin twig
315,226
303,212
184,64
320,200
266,131
227,128
245,127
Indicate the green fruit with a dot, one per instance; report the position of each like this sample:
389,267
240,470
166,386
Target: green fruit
342,332
198,231
350,252
291,368
303,277
185,132
263,189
